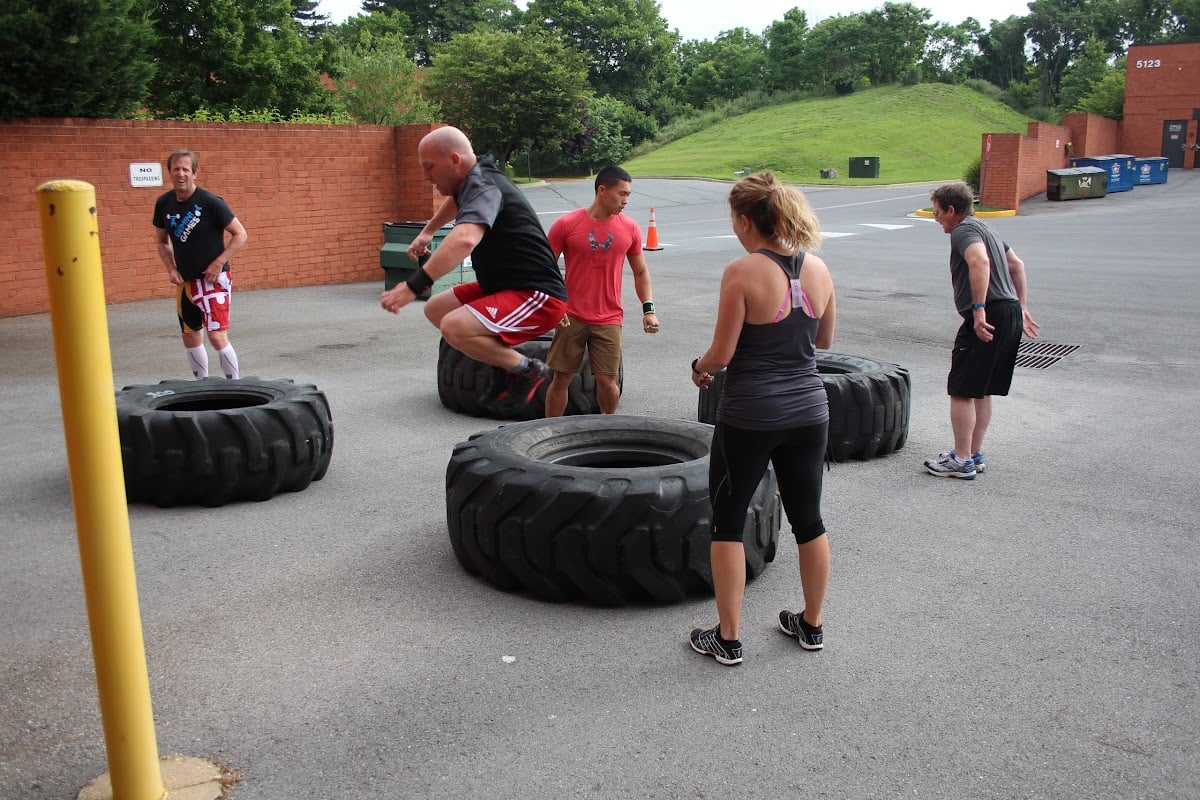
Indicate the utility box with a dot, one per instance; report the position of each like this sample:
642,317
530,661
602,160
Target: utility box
397,266
1151,170
1076,183
864,167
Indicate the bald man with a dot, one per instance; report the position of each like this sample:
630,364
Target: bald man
519,292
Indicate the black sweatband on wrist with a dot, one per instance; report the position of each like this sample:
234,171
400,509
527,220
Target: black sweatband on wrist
695,371
419,281
647,307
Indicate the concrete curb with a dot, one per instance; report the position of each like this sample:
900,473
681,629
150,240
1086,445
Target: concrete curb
927,214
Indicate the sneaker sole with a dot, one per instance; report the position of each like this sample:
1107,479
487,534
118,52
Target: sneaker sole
980,466
729,662
969,476
799,640
533,391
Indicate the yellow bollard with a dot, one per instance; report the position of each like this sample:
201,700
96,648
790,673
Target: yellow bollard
71,239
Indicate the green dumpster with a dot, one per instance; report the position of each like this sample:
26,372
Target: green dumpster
864,167
397,266
1076,183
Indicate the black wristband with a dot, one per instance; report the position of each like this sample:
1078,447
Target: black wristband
695,371
647,307
419,281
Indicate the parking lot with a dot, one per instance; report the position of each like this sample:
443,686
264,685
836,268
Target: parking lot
1031,634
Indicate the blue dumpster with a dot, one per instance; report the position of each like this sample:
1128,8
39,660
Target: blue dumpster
1119,171
1151,170
1128,169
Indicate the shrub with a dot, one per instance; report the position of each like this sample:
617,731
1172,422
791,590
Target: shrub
985,88
971,174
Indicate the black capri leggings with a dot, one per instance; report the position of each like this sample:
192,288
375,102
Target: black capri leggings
738,461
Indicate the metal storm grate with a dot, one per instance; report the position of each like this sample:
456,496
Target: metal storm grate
1035,354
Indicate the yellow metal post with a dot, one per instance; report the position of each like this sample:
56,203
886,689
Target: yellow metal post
71,238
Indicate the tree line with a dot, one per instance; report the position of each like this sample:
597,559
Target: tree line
573,84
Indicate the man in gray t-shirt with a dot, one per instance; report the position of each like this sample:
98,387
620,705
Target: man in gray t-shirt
990,296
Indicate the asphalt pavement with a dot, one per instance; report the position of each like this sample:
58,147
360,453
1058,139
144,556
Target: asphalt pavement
1031,634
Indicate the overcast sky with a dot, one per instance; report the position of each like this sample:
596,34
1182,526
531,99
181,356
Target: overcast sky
704,19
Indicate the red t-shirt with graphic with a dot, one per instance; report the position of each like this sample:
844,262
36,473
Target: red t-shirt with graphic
594,252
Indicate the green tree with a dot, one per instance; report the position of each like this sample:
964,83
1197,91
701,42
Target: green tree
636,126
229,54
1107,96
74,58
729,66
834,54
1088,69
1022,96
364,29
895,40
509,91
950,54
436,22
785,50
343,44
1147,21
627,43
312,22
381,86
1002,58
1058,29
1184,20
601,141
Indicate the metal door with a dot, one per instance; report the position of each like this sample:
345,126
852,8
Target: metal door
1174,142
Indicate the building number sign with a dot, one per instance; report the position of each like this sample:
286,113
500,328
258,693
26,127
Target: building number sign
1148,63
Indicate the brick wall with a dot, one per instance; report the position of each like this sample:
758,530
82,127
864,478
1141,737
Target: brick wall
1093,136
1162,82
1017,166
312,197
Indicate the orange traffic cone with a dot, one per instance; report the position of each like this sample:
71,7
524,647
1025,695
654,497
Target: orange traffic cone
652,234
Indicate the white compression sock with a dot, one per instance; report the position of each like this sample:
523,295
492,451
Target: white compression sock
229,362
198,361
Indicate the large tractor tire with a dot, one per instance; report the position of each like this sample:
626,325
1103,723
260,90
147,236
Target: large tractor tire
462,381
869,404
606,509
214,441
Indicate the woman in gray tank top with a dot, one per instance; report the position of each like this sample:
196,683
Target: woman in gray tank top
776,308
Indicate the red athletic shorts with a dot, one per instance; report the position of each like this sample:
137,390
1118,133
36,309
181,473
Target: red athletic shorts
515,316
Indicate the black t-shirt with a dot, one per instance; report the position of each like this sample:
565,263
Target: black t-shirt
196,227
514,252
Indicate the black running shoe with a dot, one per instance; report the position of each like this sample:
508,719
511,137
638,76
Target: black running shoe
496,391
709,643
810,637
523,386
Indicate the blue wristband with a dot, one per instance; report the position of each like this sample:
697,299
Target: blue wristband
978,305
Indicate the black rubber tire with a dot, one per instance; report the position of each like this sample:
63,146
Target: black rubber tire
462,381
215,441
607,509
869,405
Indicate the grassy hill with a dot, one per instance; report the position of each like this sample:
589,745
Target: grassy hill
919,133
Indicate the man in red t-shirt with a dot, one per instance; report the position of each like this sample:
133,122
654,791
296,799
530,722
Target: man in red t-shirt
595,241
